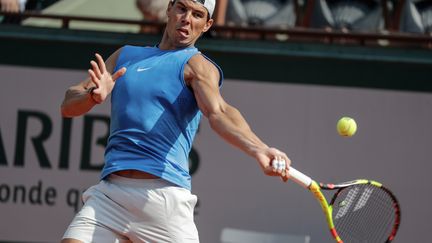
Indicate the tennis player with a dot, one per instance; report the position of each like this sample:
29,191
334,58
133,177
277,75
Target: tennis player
158,95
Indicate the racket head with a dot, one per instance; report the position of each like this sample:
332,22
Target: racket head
364,211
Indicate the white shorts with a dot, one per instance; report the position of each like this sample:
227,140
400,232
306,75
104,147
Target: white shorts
121,209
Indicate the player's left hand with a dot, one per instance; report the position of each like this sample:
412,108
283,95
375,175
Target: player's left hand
102,79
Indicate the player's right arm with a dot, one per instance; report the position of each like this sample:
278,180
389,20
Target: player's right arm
227,121
81,98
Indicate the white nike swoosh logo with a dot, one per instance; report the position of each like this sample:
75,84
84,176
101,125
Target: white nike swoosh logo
142,69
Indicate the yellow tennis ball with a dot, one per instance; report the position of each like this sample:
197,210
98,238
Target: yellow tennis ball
346,126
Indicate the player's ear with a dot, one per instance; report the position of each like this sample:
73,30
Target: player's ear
170,5
208,24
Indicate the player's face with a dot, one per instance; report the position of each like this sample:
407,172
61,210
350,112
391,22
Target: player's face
187,20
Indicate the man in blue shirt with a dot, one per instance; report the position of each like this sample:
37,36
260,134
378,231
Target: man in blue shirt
158,95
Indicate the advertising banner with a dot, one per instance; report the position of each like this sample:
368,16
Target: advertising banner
47,161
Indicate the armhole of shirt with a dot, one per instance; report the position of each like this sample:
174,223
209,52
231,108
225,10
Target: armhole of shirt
221,77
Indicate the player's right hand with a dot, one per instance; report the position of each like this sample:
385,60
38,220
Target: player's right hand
267,160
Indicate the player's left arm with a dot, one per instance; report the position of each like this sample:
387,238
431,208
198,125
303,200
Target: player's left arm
227,121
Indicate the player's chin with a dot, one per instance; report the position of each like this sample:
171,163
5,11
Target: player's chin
182,45
183,41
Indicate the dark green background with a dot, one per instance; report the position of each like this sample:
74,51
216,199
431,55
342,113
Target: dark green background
394,68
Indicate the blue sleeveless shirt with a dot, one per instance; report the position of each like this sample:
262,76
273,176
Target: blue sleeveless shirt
154,115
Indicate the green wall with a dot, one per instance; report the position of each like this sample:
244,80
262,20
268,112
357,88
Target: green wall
304,63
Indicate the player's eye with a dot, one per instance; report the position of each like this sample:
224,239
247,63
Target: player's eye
181,9
198,15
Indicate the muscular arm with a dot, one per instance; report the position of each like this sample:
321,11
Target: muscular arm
80,98
77,100
225,119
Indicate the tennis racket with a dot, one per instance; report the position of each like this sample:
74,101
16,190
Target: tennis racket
360,210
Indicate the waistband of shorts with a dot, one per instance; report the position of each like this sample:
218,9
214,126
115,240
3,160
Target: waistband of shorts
116,179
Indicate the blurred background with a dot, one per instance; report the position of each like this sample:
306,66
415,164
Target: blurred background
292,67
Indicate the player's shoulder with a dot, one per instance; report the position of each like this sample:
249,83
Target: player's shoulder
133,47
200,62
131,50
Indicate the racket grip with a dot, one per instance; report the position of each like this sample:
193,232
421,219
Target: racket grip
300,178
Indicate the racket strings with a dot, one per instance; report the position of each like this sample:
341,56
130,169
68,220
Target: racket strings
361,226
366,224
364,213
